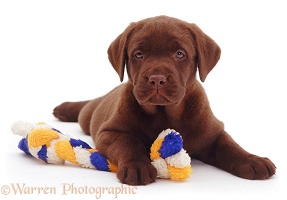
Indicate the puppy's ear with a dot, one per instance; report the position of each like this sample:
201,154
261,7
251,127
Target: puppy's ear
208,52
117,51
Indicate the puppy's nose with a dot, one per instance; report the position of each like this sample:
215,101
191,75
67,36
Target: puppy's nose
157,80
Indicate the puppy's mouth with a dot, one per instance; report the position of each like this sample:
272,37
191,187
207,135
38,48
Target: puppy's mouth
156,99
160,97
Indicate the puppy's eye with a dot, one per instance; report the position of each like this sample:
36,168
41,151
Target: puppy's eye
179,55
139,55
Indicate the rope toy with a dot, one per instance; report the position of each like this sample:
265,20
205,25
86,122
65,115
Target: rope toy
51,146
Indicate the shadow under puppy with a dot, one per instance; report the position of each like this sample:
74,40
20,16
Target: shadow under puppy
162,55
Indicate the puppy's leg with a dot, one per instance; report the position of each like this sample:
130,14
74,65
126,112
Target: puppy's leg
130,155
69,111
86,113
226,154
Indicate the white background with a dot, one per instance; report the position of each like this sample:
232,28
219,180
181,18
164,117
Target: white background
55,51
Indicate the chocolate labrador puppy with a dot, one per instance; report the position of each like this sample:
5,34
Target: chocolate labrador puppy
162,56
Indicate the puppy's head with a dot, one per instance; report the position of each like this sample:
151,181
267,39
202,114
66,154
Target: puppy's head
162,55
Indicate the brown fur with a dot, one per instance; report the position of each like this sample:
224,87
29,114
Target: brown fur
162,55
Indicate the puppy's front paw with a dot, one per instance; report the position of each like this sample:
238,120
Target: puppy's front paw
254,167
136,173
